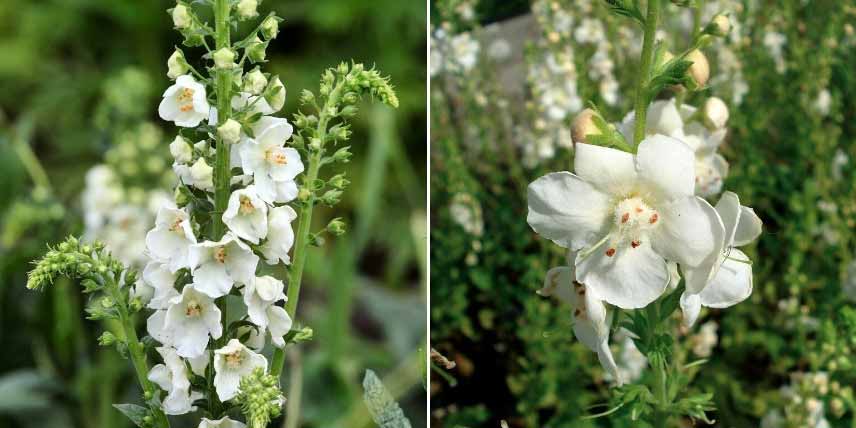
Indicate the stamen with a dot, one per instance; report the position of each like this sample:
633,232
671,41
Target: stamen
610,252
625,217
247,206
635,243
654,218
220,254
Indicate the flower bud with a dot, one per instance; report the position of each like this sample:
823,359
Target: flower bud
338,181
719,26
230,131
336,227
583,126
224,58
247,9
180,198
181,150
331,197
256,50
181,16
202,174
106,339
255,82
275,95
270,27
306,96
304,194
342,155
700,70
715,113
315,144
176,65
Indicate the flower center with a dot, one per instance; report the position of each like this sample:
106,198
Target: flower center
234,359
220,254
176,225
193,309
247,206
276,156
633,219
185,100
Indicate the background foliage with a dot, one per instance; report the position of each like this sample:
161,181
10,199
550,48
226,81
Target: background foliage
365,292
791,160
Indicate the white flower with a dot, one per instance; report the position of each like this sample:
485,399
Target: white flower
184,103
202,175
191,318
261,294
464,51
627,215
231,363
280,235
225,422
726,279
181,150
590,316
823,102
268,160
159,285
216,266
176,65
246,214
172,378
169,242
181,16
276,97
255,82
230,131
706,339
247,9
224,58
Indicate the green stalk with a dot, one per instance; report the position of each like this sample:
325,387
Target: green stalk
661,416
137,352
301,243
645,70
28,157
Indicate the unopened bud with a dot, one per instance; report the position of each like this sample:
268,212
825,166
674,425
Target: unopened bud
176,65
270,27
315,144
338,181
181,150
307,96
584,125
275,95
331,197
255,82
720,26
181,16
247,9
715,113
700,70
304,194
202,174
230,131
180,198
336,227
224,58
106,339
342,155
256,50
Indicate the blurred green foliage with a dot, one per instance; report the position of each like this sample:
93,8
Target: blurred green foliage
81,71
517,360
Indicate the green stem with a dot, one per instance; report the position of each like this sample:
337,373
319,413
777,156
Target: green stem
137,352
697,18
28,157
661,416
645,70
301,243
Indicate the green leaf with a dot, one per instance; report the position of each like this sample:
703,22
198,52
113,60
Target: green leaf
384,410
626,8
134,412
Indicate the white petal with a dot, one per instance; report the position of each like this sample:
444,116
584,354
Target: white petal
632,278
226,383
690,306
604,355
559,283
691,233
273,130
610,170
279,326
212,279
286,191
732,283
728,209
160,375
748,228
663,118
667,165
155,326
567,210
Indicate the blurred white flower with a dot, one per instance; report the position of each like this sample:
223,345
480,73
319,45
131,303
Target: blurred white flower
184,103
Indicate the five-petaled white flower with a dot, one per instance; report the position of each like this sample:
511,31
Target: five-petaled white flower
188,322
184,103
216,266
591,325
171,238
627,216
246,214
231,363
224,422
729,275
280,235
172,378
261,297
267,159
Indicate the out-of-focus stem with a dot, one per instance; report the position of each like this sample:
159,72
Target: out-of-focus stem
647,59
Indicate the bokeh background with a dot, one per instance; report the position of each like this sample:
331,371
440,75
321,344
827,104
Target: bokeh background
79,85
500,118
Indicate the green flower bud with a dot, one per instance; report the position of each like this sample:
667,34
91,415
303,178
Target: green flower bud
338,181
224,58
304,194
342,155
177,65
331,197
106,339
255,82
230,131
270,28
275,95
181,16
256,50
336,227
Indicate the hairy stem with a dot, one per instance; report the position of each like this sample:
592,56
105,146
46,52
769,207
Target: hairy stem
645,70
137,353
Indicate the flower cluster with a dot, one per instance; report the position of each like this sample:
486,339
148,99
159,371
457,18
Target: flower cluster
633,221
